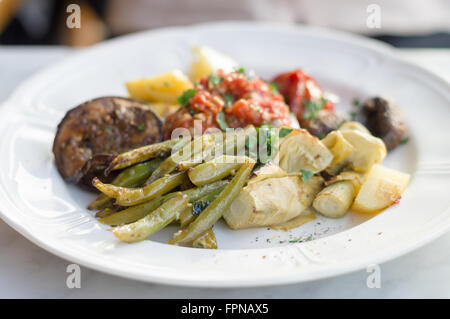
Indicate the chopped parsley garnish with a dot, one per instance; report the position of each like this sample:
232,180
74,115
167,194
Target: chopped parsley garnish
221,121
312,108
166,84
309,238
275,88
240,70
214,79
285,131
321,136
404,140
356,102
352,115
306,175
184,98
228,100
141,127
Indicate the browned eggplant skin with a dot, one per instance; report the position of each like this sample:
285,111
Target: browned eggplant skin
325,122
91,134
385,120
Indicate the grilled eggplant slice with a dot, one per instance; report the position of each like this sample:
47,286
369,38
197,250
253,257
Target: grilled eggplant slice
384,120
91,134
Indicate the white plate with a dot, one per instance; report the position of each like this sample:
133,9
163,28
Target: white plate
40,205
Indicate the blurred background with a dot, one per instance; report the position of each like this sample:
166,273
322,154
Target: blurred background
403,23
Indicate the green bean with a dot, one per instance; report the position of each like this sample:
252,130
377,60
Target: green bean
216,169
187,216
207,240
133,176
105,212
197,207
131,196
224,144
143,153
184,154
134,213
153,222
215,210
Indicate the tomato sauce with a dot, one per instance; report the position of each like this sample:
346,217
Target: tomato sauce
297,87
231,100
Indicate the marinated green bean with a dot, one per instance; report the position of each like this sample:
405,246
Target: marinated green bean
197,207
134,213
153,222
184,154
131,196
216,209
133,176
216,169
145,152
207,240
105,212
187,216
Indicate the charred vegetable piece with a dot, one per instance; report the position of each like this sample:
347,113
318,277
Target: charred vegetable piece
131,177
153,222
134,213
325,122
216,209
385,120
104,126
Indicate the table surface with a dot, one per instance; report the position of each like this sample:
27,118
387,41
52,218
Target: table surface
27,271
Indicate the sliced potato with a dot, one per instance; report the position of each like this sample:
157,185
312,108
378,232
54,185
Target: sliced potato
368,150
164,109
300,150
208,61
338,146
272,201
161,88
381,188
334,200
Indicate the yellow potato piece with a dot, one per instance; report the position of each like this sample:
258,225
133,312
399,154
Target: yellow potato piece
164,109
208,61
164,88
381,188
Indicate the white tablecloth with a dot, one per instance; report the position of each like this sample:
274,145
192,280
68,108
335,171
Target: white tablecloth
27,271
